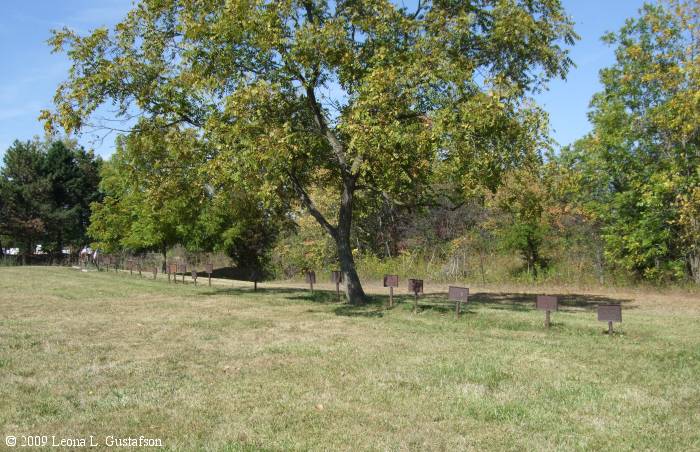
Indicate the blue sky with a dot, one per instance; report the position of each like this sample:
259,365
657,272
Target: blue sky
31,73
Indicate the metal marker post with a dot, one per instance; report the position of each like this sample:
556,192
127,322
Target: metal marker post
459,295
337,278
391,281
415,285
311,279
210,270
610,313
547,303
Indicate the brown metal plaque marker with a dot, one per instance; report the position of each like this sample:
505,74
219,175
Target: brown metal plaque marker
173,271
391,281
209,268
183,270
610,313
337,278
459,295
547,303
311,279
415,286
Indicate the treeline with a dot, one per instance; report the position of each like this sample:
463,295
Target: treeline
449,173
620,205
46,189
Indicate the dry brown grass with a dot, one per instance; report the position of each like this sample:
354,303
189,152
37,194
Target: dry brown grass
225,368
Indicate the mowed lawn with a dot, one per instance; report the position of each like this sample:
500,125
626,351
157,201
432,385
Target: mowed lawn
224,368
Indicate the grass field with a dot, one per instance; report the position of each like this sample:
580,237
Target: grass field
224,368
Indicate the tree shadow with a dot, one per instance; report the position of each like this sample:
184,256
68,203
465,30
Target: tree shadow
526,301
378,305
294,294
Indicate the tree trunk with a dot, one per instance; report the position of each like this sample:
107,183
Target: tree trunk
694,260
165,260
353,288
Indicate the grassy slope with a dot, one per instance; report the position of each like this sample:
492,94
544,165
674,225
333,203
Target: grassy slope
106,354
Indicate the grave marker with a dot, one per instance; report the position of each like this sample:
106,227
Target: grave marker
183,270
610,313
337,278
459,295
209,269
391,281
415,286
311,279
172,271
547,303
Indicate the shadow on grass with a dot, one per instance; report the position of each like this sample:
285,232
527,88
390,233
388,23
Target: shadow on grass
294,294
526,302
377,305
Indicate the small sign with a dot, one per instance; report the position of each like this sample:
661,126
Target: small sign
311,277
547,303
458,294
391,280
155,272
182,268
610,313
194,276
415,286
209,268
173,268
337,276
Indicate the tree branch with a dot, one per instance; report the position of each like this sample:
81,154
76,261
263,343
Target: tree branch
336,145
311,207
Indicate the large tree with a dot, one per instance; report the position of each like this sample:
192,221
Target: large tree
152,192
25,195
73,175
45,192
347,95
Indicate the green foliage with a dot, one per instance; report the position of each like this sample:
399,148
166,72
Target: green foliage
152,192
640,166
440,87
45,193
156,195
